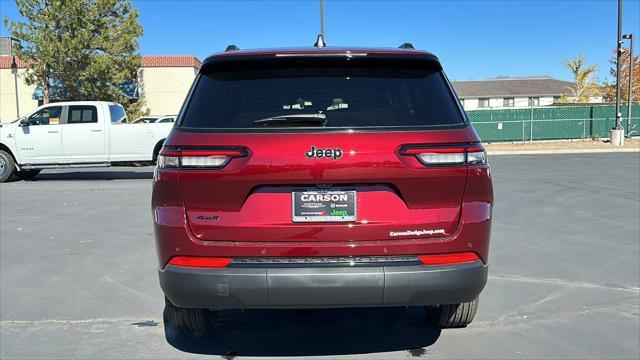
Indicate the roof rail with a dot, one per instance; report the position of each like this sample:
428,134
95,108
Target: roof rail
232,48
406,46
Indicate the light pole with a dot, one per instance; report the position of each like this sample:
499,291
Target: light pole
630,94
617,133
14,71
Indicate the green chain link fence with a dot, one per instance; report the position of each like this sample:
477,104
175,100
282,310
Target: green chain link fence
551,123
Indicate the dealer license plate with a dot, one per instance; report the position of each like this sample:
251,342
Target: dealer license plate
324,206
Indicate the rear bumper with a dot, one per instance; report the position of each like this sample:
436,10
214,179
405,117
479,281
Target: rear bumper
322,287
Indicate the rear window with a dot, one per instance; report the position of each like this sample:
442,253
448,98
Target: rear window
359,95
82,114
118,114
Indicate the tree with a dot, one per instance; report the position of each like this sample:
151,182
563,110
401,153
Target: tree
80,49
610,88
585,86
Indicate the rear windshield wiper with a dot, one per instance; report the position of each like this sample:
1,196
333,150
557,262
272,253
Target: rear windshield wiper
294,119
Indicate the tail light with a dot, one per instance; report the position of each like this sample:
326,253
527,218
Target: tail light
205,262
446,259
197,158
447,155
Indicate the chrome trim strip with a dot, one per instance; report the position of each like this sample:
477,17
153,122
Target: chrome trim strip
325,259
63,166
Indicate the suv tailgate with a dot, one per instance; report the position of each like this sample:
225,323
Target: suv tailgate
251,198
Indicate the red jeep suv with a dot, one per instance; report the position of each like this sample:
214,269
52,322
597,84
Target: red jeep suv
322,178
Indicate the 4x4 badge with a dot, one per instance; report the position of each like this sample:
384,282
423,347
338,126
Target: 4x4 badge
210,218
328,153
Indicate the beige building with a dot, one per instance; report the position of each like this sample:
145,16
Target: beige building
12,106
512,92
163,82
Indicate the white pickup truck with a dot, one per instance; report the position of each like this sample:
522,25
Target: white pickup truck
76,134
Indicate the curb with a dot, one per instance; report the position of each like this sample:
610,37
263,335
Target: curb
560,151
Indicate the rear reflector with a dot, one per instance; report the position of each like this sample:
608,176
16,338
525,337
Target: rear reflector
447,155
445,259
198,158
205,262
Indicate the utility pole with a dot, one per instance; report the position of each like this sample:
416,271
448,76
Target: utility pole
630,94
617,133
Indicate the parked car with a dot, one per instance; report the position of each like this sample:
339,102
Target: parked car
322,178
166,119
76,134
155,119
145,119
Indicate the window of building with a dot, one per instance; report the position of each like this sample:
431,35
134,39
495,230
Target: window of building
556,99
508,102
483,102
82,115
534,101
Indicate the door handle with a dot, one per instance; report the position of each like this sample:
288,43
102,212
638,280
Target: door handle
53,131
96,130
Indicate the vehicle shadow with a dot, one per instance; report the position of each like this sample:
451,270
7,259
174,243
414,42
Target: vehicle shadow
92,175
311,333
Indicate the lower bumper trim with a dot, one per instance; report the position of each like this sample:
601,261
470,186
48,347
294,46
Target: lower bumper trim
323,287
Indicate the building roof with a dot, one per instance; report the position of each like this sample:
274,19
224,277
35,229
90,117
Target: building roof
147,61
6,60
171,61
511,87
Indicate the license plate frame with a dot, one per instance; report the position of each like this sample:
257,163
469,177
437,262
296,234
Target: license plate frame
321,208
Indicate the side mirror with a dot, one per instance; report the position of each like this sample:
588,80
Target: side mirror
24,122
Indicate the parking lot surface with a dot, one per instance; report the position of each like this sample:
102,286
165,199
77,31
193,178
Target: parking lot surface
78,275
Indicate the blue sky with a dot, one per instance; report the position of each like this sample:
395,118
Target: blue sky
474,39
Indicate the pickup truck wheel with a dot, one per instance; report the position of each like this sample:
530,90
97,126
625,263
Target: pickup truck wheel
7,166
452,315
27,174
190,320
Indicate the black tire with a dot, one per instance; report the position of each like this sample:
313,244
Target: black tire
7,166
190,320
452,315
27,174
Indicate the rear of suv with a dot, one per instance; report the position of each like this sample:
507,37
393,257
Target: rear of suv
322,178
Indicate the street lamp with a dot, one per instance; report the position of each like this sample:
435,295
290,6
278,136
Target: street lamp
14,71
617,133
629,100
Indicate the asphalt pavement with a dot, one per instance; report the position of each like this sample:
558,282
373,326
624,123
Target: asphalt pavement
78,275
